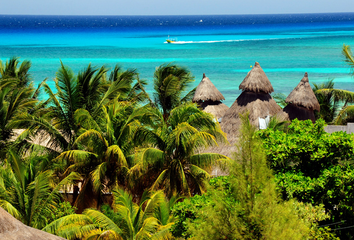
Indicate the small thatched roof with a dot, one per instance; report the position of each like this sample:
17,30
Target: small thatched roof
207,91
303,95
218,109
256,81
257,104
12,229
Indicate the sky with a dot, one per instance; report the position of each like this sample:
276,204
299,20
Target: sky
171,7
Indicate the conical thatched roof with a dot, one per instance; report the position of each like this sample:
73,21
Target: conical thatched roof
207,91
256,81
218,109
12,229
303,95
257,104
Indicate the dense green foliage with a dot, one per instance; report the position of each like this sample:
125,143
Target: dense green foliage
149,219
27,191
306,147
99,133
314,167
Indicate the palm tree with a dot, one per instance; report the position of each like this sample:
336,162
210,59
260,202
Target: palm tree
13,103
132,88
27,189
14,75
88,90
328,100
170,83
171,160
331,97
128,221
104,147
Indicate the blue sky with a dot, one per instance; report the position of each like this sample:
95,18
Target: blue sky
171,7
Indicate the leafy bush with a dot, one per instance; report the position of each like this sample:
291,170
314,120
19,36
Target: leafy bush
306,148
313,167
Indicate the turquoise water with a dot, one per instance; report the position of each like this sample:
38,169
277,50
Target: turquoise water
222,47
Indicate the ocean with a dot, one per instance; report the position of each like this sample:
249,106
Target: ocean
224,47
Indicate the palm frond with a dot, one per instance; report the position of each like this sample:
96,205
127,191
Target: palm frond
149,227
339,94
93,139
344,115
206,160
59,226
201,178
348,55
10,209
98,175
115,154
163,233
79,157
152,205
160,179
102,220
185,186
152,157
189,96
84,119
38,192
98,234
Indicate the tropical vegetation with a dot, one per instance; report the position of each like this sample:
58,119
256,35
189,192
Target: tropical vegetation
96,157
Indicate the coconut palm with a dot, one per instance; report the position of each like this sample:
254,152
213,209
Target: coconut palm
328,100
172,160
331,97
27,189
19,101
13,74
13,103
128,221
170,83
88,90
132,88
104,147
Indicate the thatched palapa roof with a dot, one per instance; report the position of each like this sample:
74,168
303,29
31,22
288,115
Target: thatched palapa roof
206,90
256,81
302,102
255,99
209,98
13,229
303,95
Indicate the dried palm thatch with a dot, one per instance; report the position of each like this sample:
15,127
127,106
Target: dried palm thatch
12,229
302,95
295,111
257,104
209,98
217,108
256,81
206,90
